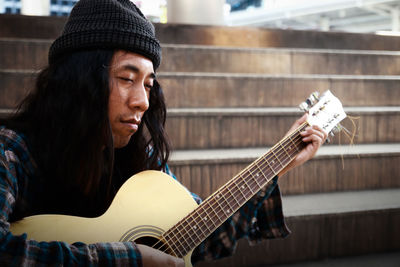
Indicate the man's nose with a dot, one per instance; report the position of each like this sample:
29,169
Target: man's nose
139,99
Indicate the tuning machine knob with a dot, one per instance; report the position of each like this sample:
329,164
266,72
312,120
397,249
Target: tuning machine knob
334,131
310,101
337,128
304,106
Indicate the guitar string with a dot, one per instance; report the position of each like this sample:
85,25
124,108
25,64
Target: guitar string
225,189
228,201
232,197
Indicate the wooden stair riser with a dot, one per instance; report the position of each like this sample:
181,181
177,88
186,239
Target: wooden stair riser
317,237
207,91
236,130
178,59
323,174
33,54
16,26
210,92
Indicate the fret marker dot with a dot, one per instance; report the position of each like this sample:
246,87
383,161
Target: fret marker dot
242,186
258,174
273,161
195,227
205,218
228,210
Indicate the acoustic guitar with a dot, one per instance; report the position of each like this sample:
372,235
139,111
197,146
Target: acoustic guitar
153,209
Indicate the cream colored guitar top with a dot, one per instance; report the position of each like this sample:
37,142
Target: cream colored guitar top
140,208
152,205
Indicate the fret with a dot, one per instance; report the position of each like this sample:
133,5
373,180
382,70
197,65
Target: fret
227,201
244,180
262,172
255,178
248,186
234,194
299,131
171,244
207,211
178,244
218,196
285,150
294,144
277,158
214,212
272,169
202,219
185,236
195,222
242,187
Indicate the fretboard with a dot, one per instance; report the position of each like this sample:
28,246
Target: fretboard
216,209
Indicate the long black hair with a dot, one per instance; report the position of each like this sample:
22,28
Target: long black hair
65,121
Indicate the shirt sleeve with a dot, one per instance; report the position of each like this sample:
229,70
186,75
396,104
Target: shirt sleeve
260,218
20,251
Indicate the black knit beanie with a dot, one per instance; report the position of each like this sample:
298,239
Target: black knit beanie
110,24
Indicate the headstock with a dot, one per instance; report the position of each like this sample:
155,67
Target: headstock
326,111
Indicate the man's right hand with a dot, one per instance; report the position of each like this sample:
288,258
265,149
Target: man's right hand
154,258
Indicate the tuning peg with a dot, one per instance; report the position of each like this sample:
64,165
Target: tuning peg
314,97
304,107
331,134
310,101
337,128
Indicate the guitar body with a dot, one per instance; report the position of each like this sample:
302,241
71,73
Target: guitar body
146,206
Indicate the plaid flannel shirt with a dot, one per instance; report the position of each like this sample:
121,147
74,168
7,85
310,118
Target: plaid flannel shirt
261,217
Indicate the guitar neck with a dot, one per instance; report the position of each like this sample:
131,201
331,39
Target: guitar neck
216,209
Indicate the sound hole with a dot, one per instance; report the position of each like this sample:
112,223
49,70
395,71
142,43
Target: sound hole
151,242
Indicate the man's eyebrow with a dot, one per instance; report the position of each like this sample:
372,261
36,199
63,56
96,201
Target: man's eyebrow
136,70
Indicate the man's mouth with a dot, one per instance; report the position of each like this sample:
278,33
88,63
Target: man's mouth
132,124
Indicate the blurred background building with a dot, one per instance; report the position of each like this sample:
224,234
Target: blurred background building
364,16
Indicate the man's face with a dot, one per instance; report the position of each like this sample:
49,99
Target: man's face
131,78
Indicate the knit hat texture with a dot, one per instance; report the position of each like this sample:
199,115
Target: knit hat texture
109,24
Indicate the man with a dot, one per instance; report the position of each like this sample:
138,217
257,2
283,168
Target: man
96,117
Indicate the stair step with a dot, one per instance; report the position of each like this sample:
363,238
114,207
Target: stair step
213,128
194,58
322,236
337,225
26,53
264,37
390,259
192,90
341,202
260,90
23,53
16,26
14,86
335,168
206,128
180,157
38,27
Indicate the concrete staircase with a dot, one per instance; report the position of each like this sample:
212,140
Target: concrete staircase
233,92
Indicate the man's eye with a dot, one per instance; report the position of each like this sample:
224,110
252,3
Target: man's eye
149,86
125,79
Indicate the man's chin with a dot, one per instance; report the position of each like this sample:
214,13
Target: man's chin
121,142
